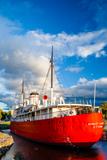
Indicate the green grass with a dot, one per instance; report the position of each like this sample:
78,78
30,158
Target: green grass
4,125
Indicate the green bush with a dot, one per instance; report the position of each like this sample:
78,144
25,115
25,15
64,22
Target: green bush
104,109
4,125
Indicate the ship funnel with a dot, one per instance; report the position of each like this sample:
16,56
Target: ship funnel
34,98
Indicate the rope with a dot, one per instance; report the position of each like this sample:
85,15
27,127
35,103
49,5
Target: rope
46,78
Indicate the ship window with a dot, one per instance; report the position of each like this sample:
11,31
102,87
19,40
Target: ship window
50,110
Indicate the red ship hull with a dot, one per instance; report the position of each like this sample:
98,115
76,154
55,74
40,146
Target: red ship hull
80,130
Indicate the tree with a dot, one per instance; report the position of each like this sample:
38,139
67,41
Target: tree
5,115
104,109
9,115
1,114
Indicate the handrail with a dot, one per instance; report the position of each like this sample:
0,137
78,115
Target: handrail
61,113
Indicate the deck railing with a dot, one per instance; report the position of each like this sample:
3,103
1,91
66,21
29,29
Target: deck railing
29,116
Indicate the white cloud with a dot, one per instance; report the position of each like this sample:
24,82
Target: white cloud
3,106
26,55
87,50
74,69
85,87
82,80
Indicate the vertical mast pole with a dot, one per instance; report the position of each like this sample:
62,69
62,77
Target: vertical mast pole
94,93
51,61
23,93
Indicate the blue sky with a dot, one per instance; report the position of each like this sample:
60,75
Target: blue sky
55,16
76,29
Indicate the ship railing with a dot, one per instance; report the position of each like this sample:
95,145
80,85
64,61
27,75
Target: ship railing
28,117
61,113
54,114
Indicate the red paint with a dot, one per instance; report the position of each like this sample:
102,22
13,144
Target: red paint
45,97
80,130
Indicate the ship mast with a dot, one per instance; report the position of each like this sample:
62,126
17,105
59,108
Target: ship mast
23,93
94,93
51,61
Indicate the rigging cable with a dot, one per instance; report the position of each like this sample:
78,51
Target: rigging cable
46,78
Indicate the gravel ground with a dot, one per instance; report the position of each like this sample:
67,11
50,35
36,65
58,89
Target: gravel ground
6,142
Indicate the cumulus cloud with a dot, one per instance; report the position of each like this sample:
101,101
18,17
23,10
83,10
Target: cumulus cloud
85,88
87,50
3,106
25,55
74,69
82,80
